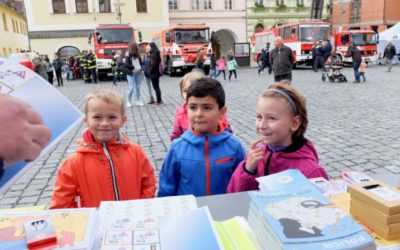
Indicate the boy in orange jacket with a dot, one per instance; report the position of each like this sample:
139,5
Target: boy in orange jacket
106,166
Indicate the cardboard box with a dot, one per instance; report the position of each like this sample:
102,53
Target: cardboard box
376,214
382,231
377,194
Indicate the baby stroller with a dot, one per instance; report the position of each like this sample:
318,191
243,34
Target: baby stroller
332,69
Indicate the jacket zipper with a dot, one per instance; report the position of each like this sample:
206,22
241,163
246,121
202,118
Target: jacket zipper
208,174
114,178
267,163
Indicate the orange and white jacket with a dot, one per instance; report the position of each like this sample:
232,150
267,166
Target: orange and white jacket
112,171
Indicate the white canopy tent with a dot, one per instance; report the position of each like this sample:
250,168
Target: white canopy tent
391,34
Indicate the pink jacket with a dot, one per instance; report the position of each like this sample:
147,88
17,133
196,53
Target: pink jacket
221,64
181,123
300,155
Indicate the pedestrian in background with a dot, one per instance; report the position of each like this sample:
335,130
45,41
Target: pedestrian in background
199,59
58,65
355,54
49,69
232,66
118,64
213,66
281,60
388,54
133,63
146,67
154,71
221,66
363,70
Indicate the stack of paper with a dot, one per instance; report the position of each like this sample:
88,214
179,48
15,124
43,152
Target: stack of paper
299,216
236,234
192,230
75,228
135,224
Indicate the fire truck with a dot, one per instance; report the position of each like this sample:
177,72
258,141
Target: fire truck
300,37
365,40
179,45
259,41
107,39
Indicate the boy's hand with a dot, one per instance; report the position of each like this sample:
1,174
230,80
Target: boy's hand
22,132
255,154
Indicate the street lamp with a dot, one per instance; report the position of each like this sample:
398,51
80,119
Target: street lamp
118,5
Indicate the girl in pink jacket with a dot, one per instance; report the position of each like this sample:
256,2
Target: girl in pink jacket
181,123
281,121
221,66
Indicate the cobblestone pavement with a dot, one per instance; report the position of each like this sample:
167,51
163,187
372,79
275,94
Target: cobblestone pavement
353,126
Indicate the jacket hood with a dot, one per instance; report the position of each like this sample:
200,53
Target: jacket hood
213,138
88,144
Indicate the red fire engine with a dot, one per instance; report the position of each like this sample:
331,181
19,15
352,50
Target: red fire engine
259,41
107,39
180,44
300,37
365,40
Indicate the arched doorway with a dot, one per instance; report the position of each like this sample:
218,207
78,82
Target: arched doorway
68,51
226,39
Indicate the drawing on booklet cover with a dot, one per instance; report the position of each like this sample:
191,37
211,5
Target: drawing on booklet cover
303,217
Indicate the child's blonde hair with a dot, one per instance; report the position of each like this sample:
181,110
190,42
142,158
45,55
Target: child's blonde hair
295,101
106,95
191,76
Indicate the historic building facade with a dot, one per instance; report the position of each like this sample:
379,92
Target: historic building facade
365,14
64,25
225,17
13,30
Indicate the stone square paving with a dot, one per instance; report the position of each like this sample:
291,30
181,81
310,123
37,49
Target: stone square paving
353,126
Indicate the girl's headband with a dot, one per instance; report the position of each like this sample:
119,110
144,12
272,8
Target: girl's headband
287,97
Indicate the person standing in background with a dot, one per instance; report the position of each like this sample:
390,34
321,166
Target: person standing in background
281,60
388,54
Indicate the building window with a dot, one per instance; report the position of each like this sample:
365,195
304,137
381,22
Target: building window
207,4
300,3
82,6
195,4
58,6
16,26
280,2
5,22
105,6
141,6
228,4
173,4
22,28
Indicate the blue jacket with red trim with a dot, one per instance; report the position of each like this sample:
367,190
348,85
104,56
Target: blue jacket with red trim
200,164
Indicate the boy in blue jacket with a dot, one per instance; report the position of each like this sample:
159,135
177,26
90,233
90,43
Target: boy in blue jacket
202,160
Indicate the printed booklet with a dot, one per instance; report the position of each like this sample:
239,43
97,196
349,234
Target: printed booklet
57,112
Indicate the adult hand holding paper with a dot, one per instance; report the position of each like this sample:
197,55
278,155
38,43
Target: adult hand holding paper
22,132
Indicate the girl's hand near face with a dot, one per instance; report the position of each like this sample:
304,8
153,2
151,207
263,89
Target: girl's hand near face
255,154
